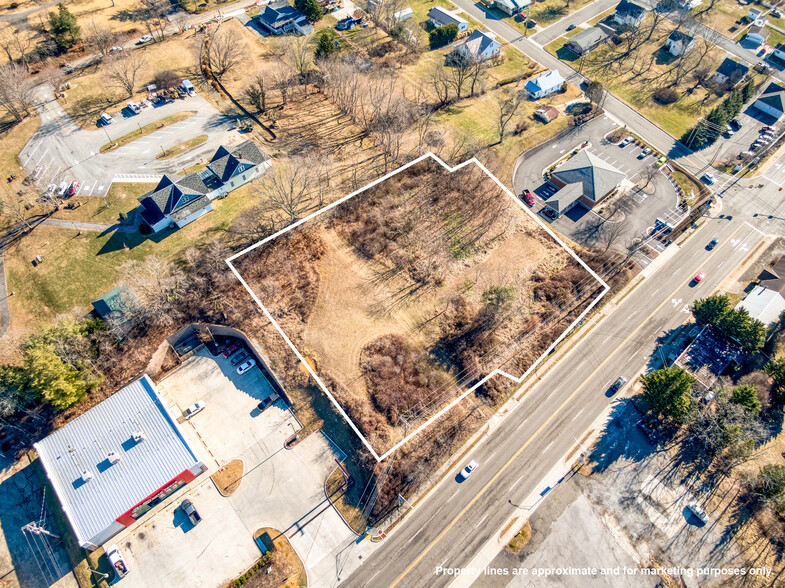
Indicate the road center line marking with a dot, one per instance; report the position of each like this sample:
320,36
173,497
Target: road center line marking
542,427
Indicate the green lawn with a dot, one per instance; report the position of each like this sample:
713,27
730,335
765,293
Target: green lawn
122,197
77,269
600,17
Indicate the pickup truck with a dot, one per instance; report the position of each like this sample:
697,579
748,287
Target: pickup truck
190,510
267,401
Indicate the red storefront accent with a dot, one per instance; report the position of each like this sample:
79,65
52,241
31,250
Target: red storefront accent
128,518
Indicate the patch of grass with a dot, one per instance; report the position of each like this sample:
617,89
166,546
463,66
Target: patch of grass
121,198
687,185
345,502
146,130
520,540
229,477
600,17
77,269
297,577
182,147
557,48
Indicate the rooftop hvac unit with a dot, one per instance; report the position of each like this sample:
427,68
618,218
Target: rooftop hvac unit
113,457
87,476
139,436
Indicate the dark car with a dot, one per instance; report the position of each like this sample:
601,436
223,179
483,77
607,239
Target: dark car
190,510
527,197
618,384
712,244
267,401
735,124
238,357
571,27
530,24
550,213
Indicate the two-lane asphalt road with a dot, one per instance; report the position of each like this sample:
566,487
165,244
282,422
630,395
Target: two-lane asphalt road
450,526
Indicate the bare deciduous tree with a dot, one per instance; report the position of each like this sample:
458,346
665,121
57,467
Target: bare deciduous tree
100,38
123,70
299,54
153,15
440,82
16,91
225,51
256,93
13,205
287,189
157,284
508,106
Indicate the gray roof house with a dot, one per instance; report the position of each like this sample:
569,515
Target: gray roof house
629,13
114,463
763,305
730,72
772,101
440,17
774,277
757,34
479,46
679,43
587,40
280,17
179,201
583,178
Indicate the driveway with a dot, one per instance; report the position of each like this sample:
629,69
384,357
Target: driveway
639,209
281,488
62,151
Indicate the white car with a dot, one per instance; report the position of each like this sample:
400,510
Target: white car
193,409
709,178
467,471
119,565
629,139
144,39
246,365
696,509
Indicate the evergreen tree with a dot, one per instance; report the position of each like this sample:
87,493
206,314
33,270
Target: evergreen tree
64,30
325,46
53,380
776,369
709,311
747,397
668,392
310,8
748,90
441,36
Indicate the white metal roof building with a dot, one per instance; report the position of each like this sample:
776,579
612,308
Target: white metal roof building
763,305
117,461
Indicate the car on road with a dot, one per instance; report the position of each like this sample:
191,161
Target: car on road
712,244
193,409
232,348
528,198
267,401
246,365
73,188
616,386
627,140
238,357
645,153
696,509
699,277
660,161
116,559
467,471
190,510
144,39
115,49
709,178
571,27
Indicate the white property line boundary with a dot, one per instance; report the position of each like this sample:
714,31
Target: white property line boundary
481,382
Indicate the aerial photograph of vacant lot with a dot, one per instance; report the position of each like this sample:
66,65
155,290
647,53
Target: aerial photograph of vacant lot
412,291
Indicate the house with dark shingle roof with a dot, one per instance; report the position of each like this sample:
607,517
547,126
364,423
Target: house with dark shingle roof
178,201
584,179
629,13
772,101
730,72
441,17
281,18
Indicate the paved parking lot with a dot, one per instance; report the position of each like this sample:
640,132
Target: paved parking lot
281,488
61,151
640,209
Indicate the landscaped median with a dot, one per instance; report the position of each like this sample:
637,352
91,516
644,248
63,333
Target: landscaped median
146,130
182,147
280,566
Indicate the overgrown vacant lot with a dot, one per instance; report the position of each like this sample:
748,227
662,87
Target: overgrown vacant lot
416,289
